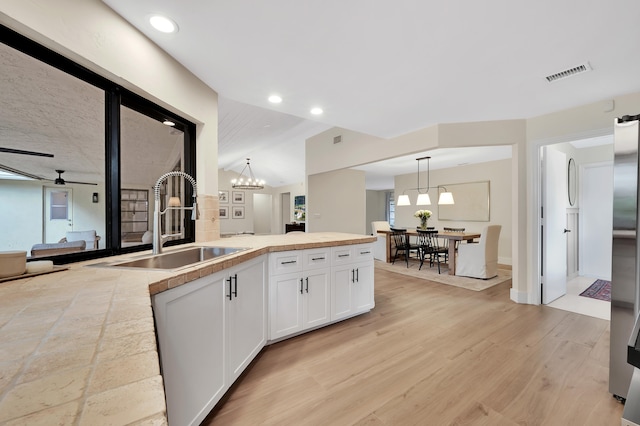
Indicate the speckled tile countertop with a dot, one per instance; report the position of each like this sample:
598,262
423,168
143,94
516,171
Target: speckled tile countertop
78,347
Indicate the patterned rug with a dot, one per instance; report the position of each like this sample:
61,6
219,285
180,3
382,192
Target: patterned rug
431,274
600,289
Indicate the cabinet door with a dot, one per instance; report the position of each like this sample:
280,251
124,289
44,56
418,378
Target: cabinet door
191,328
246,315
362,289
341,281
316,297
285,307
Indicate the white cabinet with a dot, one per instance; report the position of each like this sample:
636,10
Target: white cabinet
246,314
299,298
352,280
209,330
190,322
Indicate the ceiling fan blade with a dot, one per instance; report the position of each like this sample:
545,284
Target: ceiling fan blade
23,152
20,173
81,183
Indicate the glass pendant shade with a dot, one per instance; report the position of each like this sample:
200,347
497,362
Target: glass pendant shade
403,200
446,198
423,200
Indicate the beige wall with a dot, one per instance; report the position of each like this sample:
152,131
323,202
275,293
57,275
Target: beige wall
90,33
498,173
525,138
376,207
336,202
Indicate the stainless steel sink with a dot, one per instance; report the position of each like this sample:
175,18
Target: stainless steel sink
179,259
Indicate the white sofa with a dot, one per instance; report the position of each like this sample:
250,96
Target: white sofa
480,260
89,237
380,246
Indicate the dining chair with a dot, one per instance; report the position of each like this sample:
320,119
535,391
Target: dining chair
402,244
380,246
437,253
427,248
480,260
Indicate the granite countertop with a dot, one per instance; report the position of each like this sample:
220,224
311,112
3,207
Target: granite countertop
78,346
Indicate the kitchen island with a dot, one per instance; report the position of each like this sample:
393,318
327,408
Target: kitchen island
79,346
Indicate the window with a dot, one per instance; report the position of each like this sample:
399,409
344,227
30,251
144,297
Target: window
100,139
391,208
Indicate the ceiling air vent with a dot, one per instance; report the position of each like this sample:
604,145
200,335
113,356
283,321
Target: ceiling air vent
569,72
337,139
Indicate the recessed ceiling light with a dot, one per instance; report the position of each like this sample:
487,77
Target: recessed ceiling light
275,99
316,111
163,24
168,123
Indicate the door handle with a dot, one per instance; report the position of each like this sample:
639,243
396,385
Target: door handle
566,230
230,295
307,286
301,284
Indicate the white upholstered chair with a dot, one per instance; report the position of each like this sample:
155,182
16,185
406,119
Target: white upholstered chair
380,246
480,260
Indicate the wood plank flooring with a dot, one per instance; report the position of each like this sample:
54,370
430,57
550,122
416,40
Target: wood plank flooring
432,354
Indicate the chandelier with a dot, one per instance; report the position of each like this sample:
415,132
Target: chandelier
423,193
247,183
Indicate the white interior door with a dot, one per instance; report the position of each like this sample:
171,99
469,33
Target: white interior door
58,213
262,214
596,220
554,240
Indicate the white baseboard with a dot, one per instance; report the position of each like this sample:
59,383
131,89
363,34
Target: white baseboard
519,296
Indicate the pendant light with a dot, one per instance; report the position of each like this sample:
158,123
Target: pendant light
423,193
243,183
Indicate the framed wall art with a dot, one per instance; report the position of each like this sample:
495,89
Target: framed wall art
238,197
224,212
223,197
471,202
237,212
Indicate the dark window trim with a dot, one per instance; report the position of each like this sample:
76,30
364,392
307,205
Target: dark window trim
115,96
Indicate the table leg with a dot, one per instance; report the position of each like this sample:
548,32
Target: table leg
452,256
388,248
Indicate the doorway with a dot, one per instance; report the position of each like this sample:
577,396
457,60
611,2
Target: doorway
286,210
589,219
58,213
262,214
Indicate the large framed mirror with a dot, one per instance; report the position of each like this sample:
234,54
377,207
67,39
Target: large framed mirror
471,202
572,184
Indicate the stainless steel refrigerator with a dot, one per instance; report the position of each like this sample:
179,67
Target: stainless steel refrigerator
624,263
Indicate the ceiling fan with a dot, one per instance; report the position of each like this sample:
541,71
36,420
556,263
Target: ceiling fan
58,181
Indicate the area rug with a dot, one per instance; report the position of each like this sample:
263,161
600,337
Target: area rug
600,289
431,274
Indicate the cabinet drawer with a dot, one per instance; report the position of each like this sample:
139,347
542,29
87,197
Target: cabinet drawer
316,258
342,255
363,252
285,262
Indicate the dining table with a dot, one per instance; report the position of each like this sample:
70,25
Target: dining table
451,237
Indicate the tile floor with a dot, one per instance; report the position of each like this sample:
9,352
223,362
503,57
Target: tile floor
573,302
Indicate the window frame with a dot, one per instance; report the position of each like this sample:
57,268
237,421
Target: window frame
115,97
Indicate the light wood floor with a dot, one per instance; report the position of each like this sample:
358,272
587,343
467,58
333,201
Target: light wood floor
432,354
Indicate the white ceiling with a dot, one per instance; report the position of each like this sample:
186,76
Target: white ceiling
388,68
378,67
